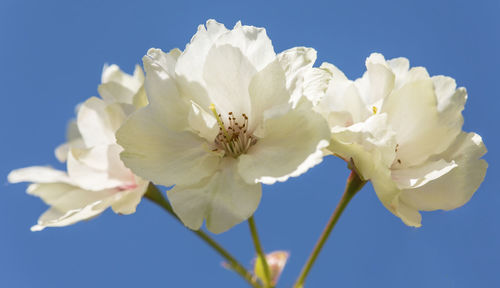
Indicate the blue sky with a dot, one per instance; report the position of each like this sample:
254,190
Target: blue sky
52,53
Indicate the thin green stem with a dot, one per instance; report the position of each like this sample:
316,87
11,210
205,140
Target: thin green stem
260,251
353,185
156,196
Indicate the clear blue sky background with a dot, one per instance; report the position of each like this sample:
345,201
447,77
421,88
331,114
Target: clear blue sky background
52,53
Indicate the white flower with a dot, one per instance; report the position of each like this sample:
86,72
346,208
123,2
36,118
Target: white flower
96,177
224,116
403,130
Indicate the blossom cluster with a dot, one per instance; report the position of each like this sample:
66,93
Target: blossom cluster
227,114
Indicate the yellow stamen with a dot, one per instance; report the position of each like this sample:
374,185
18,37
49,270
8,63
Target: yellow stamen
221,124
374,109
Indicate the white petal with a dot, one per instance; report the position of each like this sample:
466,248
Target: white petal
409,215
418,176
399,66
98,168
291,144
450,101
413,114
98,121
38,174
456,187
164,156
296,62
127,201
74,139
370,144
114,92
113,73
66,197
317,81
227,74
56,218
378,80
190,63
164,98
223,199
118,86
268,94
61,152
252,42
343,97
203,122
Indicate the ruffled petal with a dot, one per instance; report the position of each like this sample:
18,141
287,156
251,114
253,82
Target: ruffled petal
252,41
190,63
223,199
414,177
412,112
296,62
98,121
456,187
154,152
290,145
370,144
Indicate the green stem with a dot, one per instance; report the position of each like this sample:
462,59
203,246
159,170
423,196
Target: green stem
260,251
156,196
353,185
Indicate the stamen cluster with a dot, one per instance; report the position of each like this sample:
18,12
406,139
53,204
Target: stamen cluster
236,139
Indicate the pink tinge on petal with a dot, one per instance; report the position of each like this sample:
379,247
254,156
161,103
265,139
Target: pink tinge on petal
129,186
126,187
132,184
276,262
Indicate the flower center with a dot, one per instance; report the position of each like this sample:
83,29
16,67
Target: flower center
236,139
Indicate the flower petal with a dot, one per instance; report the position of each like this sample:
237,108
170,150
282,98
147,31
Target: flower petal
98,168
456,187
268,94
190,63
378,80
291,144
296,62
127,201
253,42
66,197
370,144
203,122
227,73
164,98
56,218
414,177
413,115
73,138
118,86
38,174
98,121
223,199
154,152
